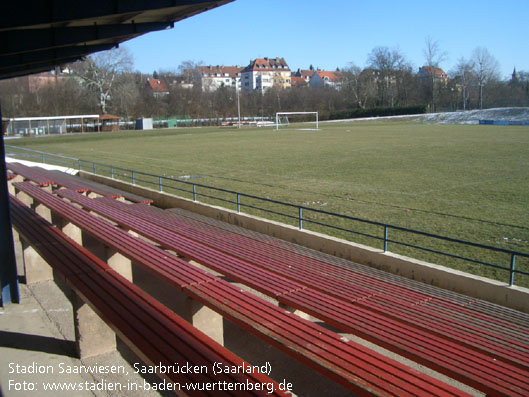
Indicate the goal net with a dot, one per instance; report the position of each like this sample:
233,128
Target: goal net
304,121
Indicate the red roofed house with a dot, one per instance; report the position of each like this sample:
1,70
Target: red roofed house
304,74
297,81
437,73
264,73
214,77
158,87
322,78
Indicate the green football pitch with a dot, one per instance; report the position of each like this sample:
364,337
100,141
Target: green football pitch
468,182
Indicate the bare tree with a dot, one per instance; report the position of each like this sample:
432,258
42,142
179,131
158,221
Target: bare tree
127,95
188,70
99,72
486,68
463,74
388,62
433,56
358,86
433,53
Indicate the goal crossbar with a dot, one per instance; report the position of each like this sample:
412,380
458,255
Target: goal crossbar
279,114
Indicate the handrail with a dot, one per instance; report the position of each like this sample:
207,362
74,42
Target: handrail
133,175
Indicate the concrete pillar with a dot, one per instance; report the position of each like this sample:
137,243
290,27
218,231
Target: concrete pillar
68,228
72,231
114,259
92,335
205,319
43,211
36,269
19,253
119,263
200,316
25,198
11,188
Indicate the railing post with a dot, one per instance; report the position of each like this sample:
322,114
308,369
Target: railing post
133,177
43,158
238,203
94,167
112,172
79,164
513,266
385,238
194,192
300,218
160,183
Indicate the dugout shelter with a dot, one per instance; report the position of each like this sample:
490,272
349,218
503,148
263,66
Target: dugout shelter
37,35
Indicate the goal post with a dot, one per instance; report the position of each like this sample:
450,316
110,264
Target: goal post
284,115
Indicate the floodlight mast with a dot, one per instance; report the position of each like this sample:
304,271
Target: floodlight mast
296,113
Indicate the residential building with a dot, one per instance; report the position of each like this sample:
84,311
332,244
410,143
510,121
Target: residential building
214,77
322,78
304,74
297,81
173,81
158,87
437,73
264,73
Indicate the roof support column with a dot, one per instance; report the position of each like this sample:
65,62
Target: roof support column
8,268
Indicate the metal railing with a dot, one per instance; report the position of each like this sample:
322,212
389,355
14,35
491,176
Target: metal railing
233,199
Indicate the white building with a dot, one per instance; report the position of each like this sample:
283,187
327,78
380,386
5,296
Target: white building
214,77
264,73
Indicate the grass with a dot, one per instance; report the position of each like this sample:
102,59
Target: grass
463,181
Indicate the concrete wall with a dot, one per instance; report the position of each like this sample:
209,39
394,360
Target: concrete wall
440,276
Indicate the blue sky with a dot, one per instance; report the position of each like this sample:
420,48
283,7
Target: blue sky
333,33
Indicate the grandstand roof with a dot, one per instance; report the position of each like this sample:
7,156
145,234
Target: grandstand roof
37,35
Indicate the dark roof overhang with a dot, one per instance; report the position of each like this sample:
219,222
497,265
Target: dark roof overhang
38,35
